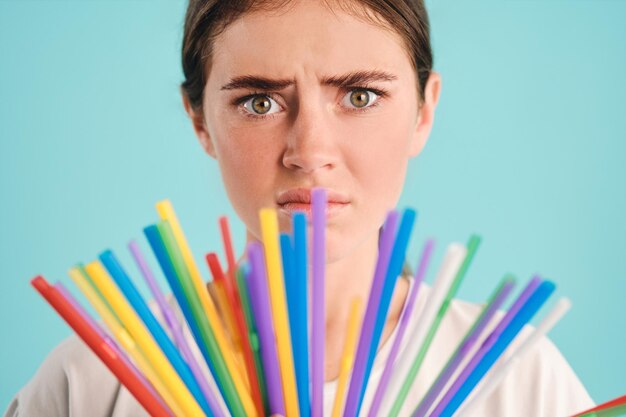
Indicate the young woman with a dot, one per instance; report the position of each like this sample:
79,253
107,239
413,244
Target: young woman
291,95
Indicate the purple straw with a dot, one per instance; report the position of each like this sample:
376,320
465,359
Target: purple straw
463,350
175,328
487,343
404,321
109,341
318,203
367,329
261,309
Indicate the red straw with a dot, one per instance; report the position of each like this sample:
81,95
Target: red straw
235,301
100,347
609,404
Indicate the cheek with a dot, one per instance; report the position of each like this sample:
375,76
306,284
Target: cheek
381,155
248,163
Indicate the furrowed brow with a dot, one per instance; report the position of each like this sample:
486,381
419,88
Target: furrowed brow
358,78
355,78
257,83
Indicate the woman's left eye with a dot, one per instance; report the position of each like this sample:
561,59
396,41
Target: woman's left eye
359,98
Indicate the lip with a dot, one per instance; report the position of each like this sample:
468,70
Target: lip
299,200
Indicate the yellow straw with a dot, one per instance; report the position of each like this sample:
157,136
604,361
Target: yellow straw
218,296
222,303
144,339
166,212
269,232
347,357
123,338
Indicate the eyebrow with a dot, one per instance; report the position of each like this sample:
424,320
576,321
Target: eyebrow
350,79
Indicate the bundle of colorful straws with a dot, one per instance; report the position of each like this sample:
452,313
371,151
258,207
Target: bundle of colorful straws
261,345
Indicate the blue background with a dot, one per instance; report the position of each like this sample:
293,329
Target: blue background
528,149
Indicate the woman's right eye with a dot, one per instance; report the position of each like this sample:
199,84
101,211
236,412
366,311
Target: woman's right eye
260,105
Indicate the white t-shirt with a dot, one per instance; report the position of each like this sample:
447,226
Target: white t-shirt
73,382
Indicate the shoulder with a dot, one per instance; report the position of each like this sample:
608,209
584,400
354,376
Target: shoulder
72,381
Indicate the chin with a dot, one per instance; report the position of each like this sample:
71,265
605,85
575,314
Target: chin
340,246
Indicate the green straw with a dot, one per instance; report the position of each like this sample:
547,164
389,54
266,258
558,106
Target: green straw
620,410
208,338
472,247
254,338
471,336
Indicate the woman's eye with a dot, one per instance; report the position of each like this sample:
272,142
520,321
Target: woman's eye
359,98
261,105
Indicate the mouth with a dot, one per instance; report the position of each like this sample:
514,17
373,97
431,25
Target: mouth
299,200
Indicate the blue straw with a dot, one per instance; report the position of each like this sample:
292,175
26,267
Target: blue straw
385,247
396,262
160,252
299,292
133,296
296,291
523,316
296,273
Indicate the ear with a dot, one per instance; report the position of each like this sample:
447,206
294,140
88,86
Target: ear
199,126
426,114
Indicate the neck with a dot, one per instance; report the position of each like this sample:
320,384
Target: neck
349,277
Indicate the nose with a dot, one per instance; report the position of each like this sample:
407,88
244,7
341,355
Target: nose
312,143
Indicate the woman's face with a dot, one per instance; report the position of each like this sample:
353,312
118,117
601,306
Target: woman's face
308,97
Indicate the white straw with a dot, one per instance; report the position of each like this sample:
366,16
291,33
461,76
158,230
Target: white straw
491,381
455,254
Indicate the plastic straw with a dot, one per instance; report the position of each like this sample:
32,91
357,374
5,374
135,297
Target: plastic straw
617,404
447,271
224,304
298,293
123,354
144,339
269,231
298,325
221,297
227,281
104,348
135,299
252,332
472,247
404,321
491,381
260,304
207,384
219,349
369,320
531,299
501,292
318,312
166,212
241,336
347,356
121,335
615,411
396,262
160,251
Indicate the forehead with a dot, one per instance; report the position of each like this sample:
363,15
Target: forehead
306,39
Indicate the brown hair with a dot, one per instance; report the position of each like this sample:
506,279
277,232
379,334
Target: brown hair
206,19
